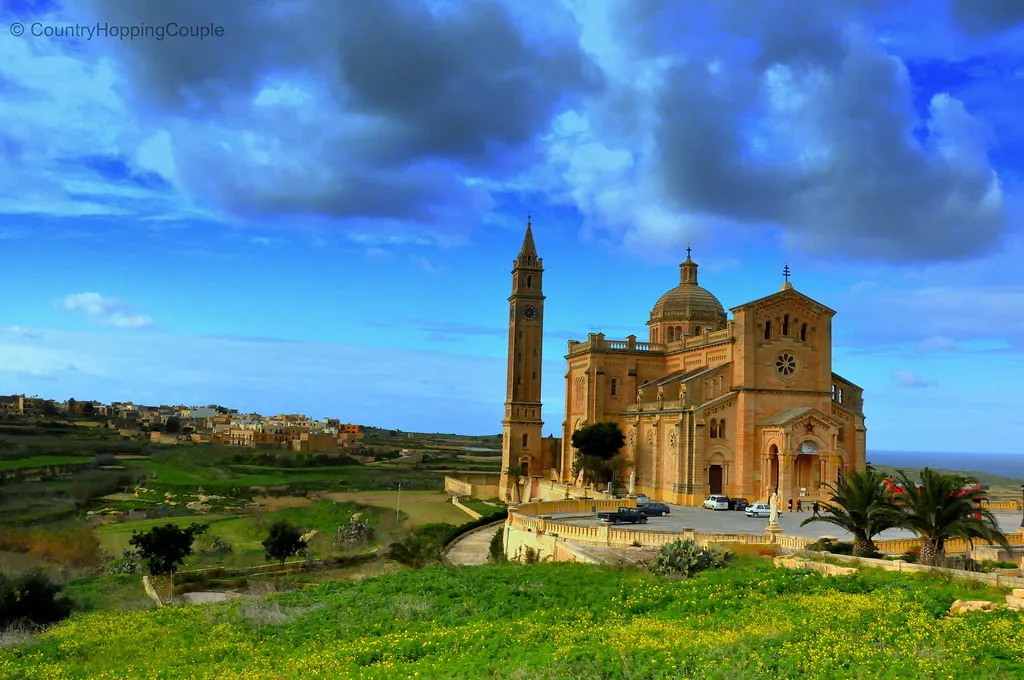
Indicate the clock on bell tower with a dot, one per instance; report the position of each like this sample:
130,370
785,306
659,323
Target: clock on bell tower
521,445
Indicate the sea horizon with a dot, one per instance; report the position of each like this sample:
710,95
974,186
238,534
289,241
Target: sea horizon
1004,464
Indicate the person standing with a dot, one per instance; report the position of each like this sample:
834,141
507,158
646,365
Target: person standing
815,508
799,505
790,505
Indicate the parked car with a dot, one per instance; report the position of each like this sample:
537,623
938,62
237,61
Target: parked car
642,499
738,503
758,510
716,502
623,515
655,509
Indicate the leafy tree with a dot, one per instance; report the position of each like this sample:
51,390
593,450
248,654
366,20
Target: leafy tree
416,551
172,425
862,505
597,446
283,541
164,548
88,410
944,507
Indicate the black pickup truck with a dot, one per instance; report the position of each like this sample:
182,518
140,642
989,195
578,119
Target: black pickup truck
623,516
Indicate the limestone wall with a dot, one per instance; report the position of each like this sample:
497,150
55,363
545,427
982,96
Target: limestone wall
474,486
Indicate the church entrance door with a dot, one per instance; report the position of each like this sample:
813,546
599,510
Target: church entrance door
715,478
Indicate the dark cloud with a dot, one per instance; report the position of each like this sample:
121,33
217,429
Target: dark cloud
347,108
795,115
980,17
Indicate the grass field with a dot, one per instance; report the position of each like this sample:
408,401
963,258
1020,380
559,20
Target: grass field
749,621
42,461
422,507
244,532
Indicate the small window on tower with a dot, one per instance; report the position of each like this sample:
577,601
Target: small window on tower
526,440
529,281
803,332
721,429
767,330
614,386
785,324
713,430
534,376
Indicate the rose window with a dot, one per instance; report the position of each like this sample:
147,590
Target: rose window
785,364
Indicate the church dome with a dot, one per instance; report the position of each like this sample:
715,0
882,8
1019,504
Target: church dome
688,301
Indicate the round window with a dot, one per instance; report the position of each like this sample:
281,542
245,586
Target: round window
785,364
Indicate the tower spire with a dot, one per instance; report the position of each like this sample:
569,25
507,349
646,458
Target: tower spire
529,250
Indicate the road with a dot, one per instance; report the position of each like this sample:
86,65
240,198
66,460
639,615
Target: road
728,521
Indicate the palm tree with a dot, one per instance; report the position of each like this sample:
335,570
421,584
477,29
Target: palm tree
944,507
861,505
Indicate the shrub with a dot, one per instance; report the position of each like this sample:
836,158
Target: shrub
961,562
686,558
827,544
912,556
31,598
354,533
130,562
496,549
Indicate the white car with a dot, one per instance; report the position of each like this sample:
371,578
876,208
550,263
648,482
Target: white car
716,502
642,499
758,510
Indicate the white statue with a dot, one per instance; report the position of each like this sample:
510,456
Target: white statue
773,505
632,482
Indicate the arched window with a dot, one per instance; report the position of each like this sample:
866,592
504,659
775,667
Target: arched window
614,386
721,428
713,430
803,332
767,330
526,440
524,469
785,324
529,281
839,434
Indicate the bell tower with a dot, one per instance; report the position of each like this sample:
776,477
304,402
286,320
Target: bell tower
521,446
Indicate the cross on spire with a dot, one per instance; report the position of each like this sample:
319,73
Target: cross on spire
786,272
529,219
688,250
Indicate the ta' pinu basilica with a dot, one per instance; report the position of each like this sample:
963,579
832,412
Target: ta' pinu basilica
709,404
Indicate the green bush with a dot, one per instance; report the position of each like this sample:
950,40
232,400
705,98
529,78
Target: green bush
31,598
686,558
827,544
496,550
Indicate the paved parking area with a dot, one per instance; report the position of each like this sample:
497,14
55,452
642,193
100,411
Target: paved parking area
730,521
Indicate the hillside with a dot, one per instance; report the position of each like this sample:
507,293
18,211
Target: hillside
549,621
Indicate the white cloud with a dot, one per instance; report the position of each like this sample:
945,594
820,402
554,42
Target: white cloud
937,343
909,379
105,311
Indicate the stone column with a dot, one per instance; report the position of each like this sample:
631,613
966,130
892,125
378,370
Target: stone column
786,481
766,474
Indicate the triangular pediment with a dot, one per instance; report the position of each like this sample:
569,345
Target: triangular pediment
786,418
787,295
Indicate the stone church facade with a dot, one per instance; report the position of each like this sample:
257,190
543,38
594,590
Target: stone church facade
709,404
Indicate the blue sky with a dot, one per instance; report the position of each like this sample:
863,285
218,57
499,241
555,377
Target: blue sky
317,211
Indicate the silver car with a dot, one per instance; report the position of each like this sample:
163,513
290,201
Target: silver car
758,510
